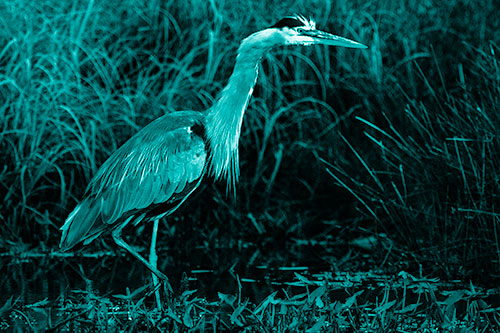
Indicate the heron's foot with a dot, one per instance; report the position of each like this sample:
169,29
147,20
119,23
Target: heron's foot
156,287
164,279
160,275
167,288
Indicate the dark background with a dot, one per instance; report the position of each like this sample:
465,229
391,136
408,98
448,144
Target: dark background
397,144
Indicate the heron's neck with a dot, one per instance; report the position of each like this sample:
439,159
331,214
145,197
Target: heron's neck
223,121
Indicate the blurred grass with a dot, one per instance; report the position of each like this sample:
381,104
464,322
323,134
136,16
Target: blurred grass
400,138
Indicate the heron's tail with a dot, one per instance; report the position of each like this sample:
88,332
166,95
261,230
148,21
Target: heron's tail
79,223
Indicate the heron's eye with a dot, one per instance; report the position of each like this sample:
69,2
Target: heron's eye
300,30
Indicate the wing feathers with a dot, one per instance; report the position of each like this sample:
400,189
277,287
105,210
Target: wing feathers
150,168
79,223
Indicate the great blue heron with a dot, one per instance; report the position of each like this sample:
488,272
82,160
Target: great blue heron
152,173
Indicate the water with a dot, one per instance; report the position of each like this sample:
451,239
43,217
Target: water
45,283
35,276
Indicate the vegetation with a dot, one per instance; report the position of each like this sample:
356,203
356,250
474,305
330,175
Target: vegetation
386,158
327,303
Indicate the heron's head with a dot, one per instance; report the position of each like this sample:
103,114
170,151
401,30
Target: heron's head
295,30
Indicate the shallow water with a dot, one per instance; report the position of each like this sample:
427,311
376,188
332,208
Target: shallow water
45,282
36,276
52,287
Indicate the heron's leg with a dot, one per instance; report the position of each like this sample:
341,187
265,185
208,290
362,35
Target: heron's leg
120,242
153,260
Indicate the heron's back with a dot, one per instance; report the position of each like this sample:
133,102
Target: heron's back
148,177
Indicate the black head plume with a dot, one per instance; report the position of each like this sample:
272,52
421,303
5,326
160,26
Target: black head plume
289,22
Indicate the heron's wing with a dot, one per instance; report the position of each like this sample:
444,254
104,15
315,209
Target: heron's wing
160,164
149,169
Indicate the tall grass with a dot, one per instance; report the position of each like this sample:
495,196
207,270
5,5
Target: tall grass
407,128
429,175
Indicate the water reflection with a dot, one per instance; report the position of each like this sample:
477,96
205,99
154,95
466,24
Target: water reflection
34,277
55,287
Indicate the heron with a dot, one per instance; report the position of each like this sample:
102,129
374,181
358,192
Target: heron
159,167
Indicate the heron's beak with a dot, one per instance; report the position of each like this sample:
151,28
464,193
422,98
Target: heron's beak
325,38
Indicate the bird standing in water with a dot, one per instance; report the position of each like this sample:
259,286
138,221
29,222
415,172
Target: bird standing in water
156,170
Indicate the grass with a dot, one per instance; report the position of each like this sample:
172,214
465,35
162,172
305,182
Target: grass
397,142
364,302
436,171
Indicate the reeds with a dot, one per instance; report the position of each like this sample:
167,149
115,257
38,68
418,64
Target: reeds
400,139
